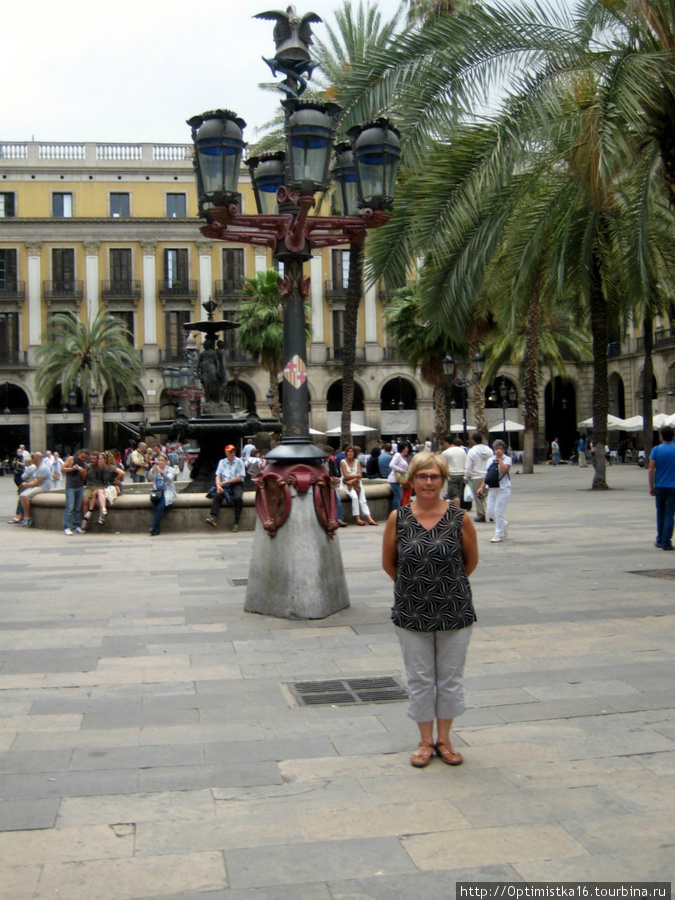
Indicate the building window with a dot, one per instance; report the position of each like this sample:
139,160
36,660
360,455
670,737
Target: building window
63,270
62,206
338,330
7,208
176,268
127,318
175,335
9,337
233,270
120,206
176,206
7,271
340,264
120,269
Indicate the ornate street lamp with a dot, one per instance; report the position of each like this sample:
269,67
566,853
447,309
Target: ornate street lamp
219,145
377,154
463,383
284,186
344,176
267,176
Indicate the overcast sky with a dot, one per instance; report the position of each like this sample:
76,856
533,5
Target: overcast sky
135,70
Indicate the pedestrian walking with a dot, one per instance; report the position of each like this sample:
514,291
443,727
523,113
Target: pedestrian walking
661,476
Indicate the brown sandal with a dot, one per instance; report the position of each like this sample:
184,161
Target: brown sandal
422,756
450,756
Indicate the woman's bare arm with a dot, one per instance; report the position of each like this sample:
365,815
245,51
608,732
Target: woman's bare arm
389,553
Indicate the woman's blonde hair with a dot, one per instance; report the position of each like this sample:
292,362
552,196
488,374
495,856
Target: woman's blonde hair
426,460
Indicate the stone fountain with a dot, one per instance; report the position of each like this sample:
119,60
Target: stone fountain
217,425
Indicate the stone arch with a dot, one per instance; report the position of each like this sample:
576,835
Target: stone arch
334,396
494,391
617,395
14,397
560,414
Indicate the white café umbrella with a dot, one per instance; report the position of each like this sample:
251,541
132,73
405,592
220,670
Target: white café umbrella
458,427
635,423
355,429
614,423
507,426
314,431
661,419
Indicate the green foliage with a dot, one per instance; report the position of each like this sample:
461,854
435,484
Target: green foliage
260,319
88,358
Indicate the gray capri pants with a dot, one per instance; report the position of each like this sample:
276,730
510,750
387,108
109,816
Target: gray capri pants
434,665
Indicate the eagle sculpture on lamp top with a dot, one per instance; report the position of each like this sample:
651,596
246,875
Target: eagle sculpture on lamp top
292,37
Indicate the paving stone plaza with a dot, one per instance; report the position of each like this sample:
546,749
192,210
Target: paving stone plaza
152,746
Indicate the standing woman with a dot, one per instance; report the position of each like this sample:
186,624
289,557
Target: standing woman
429,551
397,469
350,469
498,496
163,478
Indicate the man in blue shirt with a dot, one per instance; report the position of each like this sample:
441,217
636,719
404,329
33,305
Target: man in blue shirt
662,487
230,475
383,461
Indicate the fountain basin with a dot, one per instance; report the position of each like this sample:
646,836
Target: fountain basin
132,511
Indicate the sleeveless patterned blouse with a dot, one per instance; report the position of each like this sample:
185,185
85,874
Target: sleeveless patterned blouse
432,590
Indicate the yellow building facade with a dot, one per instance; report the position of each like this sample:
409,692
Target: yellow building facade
91,225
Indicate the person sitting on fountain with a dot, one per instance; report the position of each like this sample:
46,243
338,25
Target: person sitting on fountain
230,476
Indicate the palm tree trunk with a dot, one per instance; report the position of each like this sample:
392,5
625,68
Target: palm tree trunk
349,346
440,410
647,379
478,396
600,334
274,389
531,382
86,422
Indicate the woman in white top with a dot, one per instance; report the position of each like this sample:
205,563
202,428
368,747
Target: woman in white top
350,469
498,496
398,465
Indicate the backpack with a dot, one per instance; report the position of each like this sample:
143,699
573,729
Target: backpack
492,476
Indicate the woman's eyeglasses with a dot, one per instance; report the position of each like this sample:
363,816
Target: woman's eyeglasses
434,479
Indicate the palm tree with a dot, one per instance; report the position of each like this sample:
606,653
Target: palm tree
91,359
261,328
421,345
584,104
348,46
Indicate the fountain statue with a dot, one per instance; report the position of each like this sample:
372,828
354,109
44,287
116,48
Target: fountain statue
217,424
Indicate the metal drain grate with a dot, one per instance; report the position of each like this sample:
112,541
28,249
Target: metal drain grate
350,690
655,573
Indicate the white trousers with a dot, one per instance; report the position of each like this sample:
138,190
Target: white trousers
497,500
434,665
358,502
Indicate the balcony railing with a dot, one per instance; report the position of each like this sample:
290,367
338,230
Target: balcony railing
334,290
62,290
614,348
121,290
391,354
232,356
664,338
167,358
13,290
13,358
227,287
178,290
240,357
335,354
